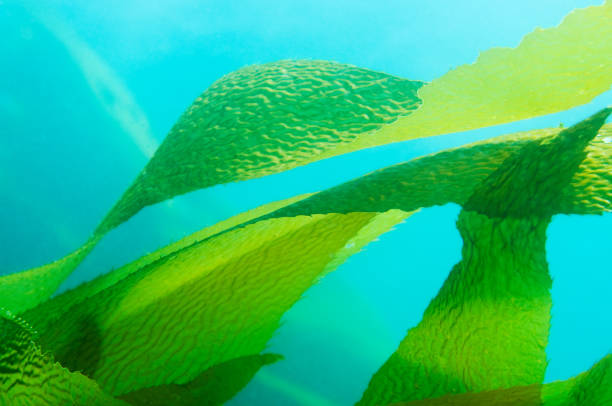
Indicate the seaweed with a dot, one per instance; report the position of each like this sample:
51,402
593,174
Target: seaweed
189,323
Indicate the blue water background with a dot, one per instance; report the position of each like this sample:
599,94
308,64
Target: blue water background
87,89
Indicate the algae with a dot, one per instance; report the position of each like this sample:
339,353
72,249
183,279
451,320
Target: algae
189,323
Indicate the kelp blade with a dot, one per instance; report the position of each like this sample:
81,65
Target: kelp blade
278,116
30,377
213,387
265,119
24,290
488,326
48,312
213,301
281,115
591,388
551,70
453,176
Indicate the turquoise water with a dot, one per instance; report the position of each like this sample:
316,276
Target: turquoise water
87,90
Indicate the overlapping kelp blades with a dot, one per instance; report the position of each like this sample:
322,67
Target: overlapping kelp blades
24,290
591,388
48,312
453,175
208,303
488,327
213,387
30,378
551,70
281,115
265,119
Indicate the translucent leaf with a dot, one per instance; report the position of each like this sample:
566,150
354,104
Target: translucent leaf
30,377
215,300
488,326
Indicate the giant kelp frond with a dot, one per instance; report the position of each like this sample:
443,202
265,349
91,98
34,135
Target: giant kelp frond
24,290
54,308
488,326
218,295
278,116
454,175
264,119
551,70
213,387
215,300
269,118
29,377
591,388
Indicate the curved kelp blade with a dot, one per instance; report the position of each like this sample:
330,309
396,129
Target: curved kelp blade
591,388
48,312
265,119
269,118
488,326
550,71
213,387
216,300
29,377
24,290
454,175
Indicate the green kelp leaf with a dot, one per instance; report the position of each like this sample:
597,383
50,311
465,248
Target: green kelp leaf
48,312
591,388
516,396
551,70
213,301
268,118
488,326
29,377
24,290
265,119
453,176
213,387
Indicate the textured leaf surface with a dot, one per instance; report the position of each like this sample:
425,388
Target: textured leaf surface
213,387
268,118
265,119
29,377
551,70
51,310
488,326
213,301
454,175
591,388
24,290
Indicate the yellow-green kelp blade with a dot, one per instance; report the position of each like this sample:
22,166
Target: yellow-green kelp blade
24,290
591,388
51,310
269,118
551,70
213,387
216,300
453,176
30,377
265,119
488,326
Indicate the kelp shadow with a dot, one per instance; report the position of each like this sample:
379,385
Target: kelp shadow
82,352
